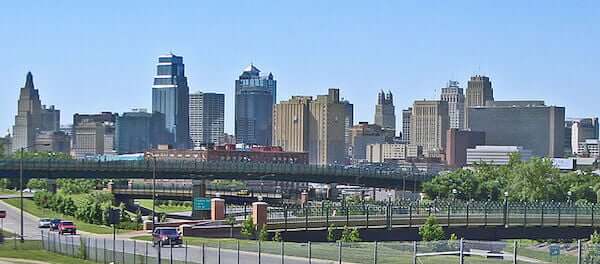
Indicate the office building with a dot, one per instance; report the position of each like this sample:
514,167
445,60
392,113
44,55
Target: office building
429,122
365,134
93,135
479,92
535,127
406,114
457,143
53,141
207,118
50,118
316,126
255,96
453,94
589,148
496,155
348,123
28,120
385,114
170,94
581,130
380,153
133,132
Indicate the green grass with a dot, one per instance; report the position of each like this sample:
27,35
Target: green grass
7,191
32,250
33,209
388,252
147,203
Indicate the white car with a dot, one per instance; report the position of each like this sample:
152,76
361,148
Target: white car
44,223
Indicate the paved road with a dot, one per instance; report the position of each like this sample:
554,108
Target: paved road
12,222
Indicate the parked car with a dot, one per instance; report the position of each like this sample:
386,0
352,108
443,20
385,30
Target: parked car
67,227
54,224
44,223
166,236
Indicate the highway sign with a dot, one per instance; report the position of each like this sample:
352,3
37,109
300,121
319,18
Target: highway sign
201,204
2,214
554,250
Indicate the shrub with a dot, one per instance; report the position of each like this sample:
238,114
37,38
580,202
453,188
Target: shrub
247,230
431,230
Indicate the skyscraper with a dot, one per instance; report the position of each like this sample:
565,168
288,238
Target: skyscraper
428,126
385,115
479,92
255,96
28,120
50,118
581,130
406,114
348,123
132,134
303,124
207,118
456,104
170,96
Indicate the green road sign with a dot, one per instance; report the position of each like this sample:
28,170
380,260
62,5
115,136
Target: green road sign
201,204
554,250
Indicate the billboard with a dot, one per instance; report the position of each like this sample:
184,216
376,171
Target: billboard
563,164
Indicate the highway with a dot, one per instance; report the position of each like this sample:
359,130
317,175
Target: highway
12,221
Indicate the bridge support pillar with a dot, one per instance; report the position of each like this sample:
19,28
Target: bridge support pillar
332,192
259,214
217,209
198,198
52,187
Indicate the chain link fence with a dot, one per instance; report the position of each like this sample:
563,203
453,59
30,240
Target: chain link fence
107,250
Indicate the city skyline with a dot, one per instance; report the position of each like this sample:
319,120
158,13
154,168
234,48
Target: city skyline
412,70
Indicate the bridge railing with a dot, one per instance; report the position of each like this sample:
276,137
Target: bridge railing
446,212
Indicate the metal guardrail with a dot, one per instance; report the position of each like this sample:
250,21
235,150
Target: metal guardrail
447,214
184,169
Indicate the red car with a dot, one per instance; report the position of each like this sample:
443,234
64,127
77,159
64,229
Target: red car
67,227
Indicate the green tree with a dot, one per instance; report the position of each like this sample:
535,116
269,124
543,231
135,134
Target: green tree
431,230
331,233
37,184
263,235
277,237
535,180
247,230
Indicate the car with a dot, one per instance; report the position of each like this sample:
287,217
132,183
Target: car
54,224
166,236
44,223
67,227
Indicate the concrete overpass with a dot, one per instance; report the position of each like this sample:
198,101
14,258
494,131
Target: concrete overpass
200,170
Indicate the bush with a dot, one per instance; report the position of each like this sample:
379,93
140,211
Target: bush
277,237
247,230
431,230
263,235
331,233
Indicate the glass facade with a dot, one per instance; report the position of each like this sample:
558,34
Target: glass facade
133,132
170,95
255,96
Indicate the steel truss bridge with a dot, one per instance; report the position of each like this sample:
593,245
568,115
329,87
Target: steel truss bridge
202,170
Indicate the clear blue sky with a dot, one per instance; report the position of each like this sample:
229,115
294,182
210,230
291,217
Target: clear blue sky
91,56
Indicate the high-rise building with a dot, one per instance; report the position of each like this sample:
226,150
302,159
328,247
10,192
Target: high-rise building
50,118
28,120
429,122
581,130
453,94
170,94
385,114
207,118
255,96
365,134
348,123
303,124
380,153
532,125
133,132
406,114
93,135
53,141
479,92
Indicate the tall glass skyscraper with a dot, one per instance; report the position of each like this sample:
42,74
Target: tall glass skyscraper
170,96
207,118
255,96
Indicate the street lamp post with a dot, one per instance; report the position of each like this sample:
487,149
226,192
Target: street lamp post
505,209
569,193
22,152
